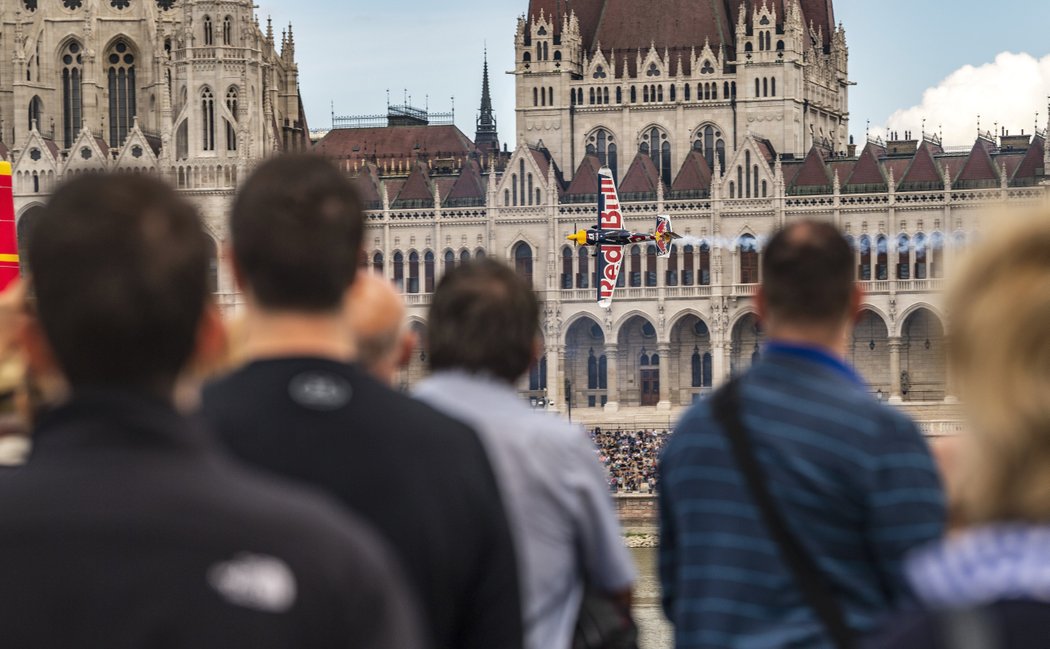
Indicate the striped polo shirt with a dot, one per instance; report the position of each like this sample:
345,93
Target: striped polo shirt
854,479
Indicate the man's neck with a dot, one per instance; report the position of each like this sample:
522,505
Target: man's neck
833,342
283,334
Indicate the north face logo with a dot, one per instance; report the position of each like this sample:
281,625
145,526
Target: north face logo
255,581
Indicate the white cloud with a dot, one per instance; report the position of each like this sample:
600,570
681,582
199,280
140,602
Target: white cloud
1008,91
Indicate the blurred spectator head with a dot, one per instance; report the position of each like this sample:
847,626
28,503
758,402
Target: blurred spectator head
807,278
296,227
120,279
376,316
1000,354
485,320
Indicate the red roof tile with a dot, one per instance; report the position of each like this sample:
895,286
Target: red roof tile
468,186
587,11
585,181
641,178
979,166
1033,160
813,172
367,185
1011,161
694,175
844,166
629,24
394,142
867,171
417,186
899,167
923,169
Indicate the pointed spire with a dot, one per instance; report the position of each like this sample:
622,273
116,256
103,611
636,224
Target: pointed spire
487,136
269,30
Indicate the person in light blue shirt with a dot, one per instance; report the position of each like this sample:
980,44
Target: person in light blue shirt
483,331
853,479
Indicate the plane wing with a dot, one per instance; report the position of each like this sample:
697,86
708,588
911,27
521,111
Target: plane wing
610,261
610,258
609,215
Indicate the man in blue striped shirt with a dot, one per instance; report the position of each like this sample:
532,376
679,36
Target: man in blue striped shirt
853,479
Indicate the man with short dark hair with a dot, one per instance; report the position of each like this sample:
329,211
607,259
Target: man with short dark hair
483,337
126,528
301,409
852,479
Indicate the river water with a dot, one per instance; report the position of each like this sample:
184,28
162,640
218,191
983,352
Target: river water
653,629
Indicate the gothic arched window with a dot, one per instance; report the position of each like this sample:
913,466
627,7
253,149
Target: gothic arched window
688,267
903,257
709,141
450,261
523,261
882,259
650,266
72,99
122,104
428,272
413,272
583,278
566,268
208,119
377,263
227,30
865,259
636,266
399,271
231,131
705,264
209,32
920,256
592,371
602,144
36,109
748,260
656,145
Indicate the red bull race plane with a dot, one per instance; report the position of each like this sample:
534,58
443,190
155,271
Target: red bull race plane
610,237
8,240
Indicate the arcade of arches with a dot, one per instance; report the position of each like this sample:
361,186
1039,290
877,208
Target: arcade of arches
634,367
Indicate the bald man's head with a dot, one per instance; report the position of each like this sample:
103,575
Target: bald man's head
376,314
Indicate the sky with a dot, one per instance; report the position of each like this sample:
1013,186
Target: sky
947,61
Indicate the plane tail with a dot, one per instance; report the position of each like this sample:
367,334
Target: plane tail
664,236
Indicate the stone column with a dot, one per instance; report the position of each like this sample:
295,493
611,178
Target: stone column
895,370
555,383
664,349
612,364
718,362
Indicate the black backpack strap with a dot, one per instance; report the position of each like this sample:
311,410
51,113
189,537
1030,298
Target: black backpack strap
813,583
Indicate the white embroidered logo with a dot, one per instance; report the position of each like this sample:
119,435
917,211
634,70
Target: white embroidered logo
255,581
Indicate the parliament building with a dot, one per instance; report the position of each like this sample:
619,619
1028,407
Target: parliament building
730,117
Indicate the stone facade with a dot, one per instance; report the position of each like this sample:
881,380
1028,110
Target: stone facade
192,90
728,170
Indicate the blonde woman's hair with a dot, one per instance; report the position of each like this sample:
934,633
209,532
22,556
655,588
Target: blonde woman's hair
999,315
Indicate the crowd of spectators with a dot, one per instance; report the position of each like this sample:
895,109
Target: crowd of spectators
630,457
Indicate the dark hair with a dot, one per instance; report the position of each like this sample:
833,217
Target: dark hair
484,319
807,273
296,227
120,274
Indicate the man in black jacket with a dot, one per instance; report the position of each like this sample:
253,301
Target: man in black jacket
302,410
125,529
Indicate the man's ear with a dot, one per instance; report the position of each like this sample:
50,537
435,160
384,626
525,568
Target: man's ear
409,340
212,348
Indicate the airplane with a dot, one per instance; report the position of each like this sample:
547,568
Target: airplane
610,237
